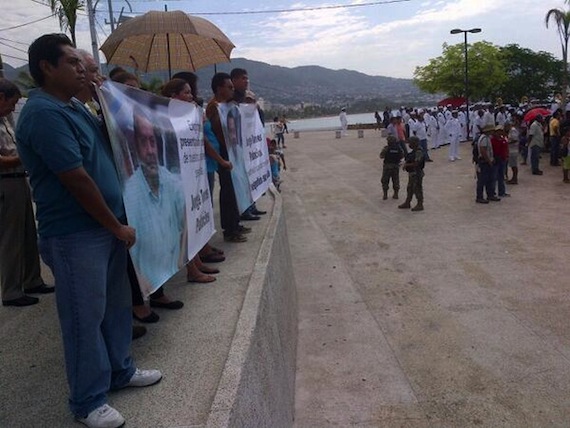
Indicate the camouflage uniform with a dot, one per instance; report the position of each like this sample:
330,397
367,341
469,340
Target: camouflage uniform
392,155
416,176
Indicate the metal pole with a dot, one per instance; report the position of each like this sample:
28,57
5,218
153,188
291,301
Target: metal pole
111,19
466,86
93,31
1,67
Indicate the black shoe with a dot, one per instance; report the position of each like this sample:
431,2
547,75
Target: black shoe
174,304
149,319
244,229
537,173
258,212
494,199
429,160
40,289
138,331
21,301
505,195
481,201
235,237
249,217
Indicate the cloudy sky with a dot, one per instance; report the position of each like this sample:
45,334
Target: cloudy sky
385,37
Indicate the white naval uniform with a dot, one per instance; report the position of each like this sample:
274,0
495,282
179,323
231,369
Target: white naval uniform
441,139
453,133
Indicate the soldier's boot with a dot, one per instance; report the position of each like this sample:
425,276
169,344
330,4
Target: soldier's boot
565,172
385,194
395,196
419,206
405,204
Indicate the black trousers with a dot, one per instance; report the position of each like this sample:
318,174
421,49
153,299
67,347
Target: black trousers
229,213
137,297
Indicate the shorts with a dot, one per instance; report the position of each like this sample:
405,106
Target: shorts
513,159
566,162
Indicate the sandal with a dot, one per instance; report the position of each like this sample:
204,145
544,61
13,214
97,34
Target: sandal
202,279
212,257
208,270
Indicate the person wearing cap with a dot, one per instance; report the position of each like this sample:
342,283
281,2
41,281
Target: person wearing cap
484,159
453,134
501,156
414,166
419,129
535,143
441,129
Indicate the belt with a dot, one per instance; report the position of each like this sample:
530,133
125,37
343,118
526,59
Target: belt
14,175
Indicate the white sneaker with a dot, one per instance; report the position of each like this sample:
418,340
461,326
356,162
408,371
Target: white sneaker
457,158
103,417
144,378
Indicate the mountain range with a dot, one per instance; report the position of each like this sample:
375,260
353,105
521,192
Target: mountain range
284,87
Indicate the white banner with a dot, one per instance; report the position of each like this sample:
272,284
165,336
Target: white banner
159,151
247,151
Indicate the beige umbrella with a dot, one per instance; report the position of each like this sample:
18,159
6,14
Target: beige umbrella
167,41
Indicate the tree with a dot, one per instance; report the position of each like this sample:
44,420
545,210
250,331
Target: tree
445,73
66,11
533,74
562,20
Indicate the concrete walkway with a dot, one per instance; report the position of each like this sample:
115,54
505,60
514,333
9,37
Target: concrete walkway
456,316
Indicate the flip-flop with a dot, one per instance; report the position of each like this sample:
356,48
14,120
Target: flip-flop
212,258
202,279
208,270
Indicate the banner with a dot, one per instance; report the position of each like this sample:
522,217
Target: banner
247,151
159,153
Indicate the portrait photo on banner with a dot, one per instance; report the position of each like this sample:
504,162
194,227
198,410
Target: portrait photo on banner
150,161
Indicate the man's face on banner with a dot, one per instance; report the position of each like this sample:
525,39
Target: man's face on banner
145,142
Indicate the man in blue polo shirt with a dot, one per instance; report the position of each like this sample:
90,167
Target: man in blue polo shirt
83,236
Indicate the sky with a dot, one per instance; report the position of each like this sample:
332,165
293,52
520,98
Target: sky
380,38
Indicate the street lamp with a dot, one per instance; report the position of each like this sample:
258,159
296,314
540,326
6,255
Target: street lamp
458,31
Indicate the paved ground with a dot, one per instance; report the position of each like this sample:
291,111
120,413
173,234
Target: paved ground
453,317
190,346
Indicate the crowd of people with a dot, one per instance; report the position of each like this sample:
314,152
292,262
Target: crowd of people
502,138
83,231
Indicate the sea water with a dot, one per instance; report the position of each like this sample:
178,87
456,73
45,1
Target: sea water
326,123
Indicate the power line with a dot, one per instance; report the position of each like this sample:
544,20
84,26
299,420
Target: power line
13,47
27,23
14,41
15,57
298,9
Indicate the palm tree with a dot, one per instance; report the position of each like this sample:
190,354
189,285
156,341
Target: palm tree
562,20
66,11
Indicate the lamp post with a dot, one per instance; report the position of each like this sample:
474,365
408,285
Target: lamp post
458,31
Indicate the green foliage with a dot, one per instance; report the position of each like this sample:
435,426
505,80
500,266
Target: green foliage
532,74
154,85
25,82
446,73
66,11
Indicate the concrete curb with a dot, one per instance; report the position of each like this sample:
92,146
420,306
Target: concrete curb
257,386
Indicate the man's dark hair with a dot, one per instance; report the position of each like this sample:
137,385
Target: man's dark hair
9,89
123,76
218,80
238,72
46,48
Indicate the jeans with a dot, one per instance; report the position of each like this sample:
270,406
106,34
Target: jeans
534,158
498,176
94,307
484,180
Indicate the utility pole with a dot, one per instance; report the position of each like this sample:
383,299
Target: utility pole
111,19
94,47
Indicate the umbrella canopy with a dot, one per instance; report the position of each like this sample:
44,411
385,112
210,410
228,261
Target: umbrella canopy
532,113
167,41
454,101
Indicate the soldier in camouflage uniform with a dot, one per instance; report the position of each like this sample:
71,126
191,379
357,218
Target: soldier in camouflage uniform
392,155
414,165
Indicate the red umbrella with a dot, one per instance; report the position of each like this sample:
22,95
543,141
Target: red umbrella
532,113
453,101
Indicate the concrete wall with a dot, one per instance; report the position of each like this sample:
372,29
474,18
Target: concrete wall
257,387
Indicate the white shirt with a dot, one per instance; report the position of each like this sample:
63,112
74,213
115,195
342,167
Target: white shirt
419,130
488,119
501,118
453,127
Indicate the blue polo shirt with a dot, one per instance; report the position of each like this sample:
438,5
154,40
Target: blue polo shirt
55,137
